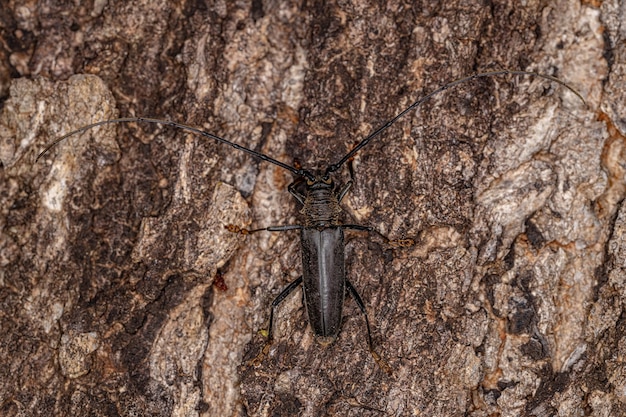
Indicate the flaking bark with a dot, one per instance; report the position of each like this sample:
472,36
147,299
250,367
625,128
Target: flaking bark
511,303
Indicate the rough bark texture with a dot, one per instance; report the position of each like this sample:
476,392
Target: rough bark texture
512,302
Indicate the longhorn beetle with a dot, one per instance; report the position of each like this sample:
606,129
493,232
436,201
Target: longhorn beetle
323,276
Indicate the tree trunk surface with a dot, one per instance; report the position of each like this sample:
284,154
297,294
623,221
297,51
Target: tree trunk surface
511,302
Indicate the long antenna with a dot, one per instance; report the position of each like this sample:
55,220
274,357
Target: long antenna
298,172
377,132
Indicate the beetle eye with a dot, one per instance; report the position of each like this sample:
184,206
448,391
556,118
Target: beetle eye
309,182
326,180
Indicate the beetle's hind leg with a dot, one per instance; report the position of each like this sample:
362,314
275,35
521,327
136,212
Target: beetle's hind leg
270,331
283,294
357,298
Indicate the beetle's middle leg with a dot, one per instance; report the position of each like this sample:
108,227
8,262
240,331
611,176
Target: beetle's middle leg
393,243
236,229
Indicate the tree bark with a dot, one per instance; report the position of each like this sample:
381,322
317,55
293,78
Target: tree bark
510,303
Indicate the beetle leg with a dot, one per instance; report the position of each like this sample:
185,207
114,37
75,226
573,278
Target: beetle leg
357,227
236,229
281,297
357,298
292,190
342,192
395,243
270,337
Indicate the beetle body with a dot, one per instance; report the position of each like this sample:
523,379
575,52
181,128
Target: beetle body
323,259
324,279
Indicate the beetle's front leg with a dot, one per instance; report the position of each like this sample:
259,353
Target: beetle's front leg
292,190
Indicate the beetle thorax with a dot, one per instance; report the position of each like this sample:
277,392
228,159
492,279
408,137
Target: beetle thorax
321,205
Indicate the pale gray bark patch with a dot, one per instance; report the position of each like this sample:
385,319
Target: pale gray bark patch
511,303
